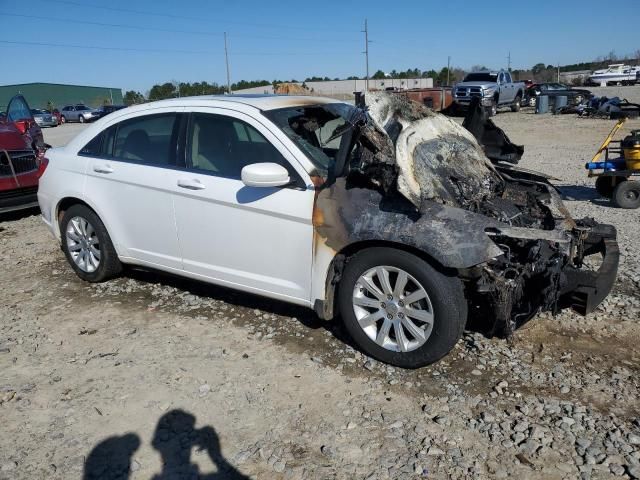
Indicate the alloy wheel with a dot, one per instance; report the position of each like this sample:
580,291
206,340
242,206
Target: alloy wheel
83,244
393,309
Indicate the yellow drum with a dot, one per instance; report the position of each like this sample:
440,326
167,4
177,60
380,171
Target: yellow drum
631,150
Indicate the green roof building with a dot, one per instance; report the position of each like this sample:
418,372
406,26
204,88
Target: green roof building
41,95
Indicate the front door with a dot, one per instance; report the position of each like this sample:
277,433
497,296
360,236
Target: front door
255,238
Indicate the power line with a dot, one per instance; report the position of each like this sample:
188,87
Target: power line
163,30
183,17
95,47
152,50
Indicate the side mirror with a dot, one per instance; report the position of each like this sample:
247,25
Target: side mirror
265,175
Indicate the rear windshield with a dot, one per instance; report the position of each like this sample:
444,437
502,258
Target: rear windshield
481,77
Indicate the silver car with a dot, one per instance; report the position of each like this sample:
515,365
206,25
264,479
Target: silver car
78,113
44,118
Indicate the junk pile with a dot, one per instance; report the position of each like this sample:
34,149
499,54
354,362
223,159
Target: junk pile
603,107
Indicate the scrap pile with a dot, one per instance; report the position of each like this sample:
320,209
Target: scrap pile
603,107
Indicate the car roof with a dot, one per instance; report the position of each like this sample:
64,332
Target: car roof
261,102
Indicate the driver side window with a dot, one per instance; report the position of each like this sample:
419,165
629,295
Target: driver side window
222,146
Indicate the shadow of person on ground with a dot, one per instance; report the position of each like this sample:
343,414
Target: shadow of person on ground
175,438
111,458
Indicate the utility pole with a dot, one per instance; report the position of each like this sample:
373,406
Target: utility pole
558,72
448,68
366,52
226,59
509,62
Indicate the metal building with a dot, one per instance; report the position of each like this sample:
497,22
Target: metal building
41,95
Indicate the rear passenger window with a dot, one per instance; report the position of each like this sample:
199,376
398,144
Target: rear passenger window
223,145
146,139
93,148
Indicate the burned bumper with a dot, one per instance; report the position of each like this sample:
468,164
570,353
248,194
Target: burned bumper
546,274
585,289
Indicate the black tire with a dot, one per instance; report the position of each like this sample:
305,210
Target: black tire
627,194
81,119
109,265
492,110
63,119
605,185
515,107
446,294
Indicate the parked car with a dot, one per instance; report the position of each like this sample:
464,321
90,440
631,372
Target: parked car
56,113
44,118
300,199
552,89
21,161
78,113
496,89
107,109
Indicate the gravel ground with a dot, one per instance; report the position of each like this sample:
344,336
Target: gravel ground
151,374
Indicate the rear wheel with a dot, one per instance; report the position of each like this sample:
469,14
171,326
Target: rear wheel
87,245
399,309
627,194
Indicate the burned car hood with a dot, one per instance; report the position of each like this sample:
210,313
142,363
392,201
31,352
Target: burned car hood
436,160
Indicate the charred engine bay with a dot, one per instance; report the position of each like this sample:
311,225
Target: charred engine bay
419,178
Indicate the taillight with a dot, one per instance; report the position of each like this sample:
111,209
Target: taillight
42,166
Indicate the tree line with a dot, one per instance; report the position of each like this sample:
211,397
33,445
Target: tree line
443,77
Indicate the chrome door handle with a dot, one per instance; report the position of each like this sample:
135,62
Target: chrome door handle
102,169
191,184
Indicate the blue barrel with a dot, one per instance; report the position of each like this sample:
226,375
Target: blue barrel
542,104
561,101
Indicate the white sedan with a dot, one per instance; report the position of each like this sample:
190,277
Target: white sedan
295,198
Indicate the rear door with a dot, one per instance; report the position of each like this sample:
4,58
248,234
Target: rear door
255,238
129,179
18,110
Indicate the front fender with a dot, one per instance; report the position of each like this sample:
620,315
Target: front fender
453,237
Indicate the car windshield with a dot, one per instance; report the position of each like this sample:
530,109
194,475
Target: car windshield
37,111
317,129
481,77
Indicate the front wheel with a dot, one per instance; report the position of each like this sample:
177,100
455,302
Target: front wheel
493,108
399,309
515,107
81,119
63,119
87,245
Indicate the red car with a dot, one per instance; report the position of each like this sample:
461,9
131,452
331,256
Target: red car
22,160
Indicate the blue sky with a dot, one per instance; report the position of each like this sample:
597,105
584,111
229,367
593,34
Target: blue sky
283,39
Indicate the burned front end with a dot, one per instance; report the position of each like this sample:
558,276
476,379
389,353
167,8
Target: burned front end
543,267
548,260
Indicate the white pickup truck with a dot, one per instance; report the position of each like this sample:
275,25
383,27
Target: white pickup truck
495,89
